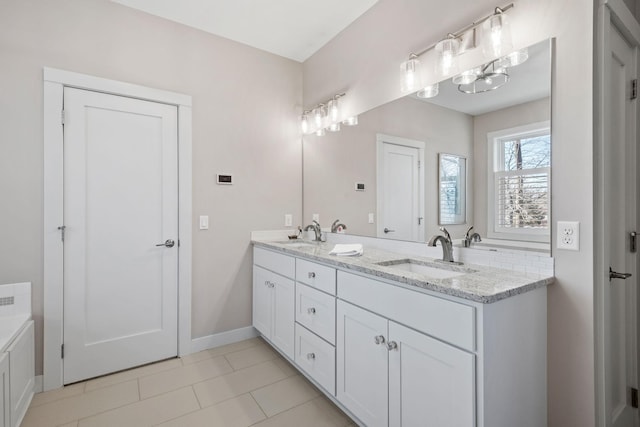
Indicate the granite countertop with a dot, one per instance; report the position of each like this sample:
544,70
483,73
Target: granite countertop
477,283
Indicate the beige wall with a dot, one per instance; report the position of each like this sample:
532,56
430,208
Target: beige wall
245,103
335,162
520,115
364,61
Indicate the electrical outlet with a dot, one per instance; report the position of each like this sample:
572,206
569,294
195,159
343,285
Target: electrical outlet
204,222
288,220
371,221
569,235
315,217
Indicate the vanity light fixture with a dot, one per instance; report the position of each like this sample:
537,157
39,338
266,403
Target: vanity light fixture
495,38
488,77
325,116
430,91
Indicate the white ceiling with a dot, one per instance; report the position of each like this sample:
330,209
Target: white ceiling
295,29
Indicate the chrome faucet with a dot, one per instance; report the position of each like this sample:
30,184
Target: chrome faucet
315,226
447,244
336,224
469,237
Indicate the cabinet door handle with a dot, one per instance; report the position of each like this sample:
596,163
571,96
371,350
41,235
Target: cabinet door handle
312,275
267,283
392,345
379,339
311,310
311,356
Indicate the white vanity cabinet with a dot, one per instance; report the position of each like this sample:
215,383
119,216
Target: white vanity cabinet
391,375
21,373
274,299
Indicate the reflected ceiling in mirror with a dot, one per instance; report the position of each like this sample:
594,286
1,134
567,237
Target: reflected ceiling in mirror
340,169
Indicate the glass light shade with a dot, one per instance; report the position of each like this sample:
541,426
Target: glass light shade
319,115
515,58
496,36
466,77
350,121
320,132
411,78
334,127
447,63
333,110
305,126
429,91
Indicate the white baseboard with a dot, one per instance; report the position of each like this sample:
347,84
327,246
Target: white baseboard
223,338
38,384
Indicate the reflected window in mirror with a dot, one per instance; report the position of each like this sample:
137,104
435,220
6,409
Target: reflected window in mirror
452,186
520,165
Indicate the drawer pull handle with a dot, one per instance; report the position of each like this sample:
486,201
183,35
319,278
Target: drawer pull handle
379,339
311,356
312,275
392,345
311,310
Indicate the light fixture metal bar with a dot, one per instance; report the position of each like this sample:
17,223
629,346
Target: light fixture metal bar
458,34
323,104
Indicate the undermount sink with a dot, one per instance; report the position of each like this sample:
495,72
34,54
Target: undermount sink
427,269
297,244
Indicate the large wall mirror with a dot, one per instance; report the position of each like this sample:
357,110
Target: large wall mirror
385,173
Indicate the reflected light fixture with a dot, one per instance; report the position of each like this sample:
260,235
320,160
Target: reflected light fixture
496,35
411,75
429,91
326,115
515,58
488,77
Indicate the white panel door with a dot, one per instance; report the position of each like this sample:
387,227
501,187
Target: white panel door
120,203
621,296
262,301
400,217
362,382
283,315
430,383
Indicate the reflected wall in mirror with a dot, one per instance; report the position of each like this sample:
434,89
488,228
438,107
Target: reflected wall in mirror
453,122
452,187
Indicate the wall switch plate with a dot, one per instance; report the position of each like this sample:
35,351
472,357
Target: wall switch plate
204,222
288,220
371,218
315,217
569,235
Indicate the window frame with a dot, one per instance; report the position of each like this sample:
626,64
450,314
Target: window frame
495,156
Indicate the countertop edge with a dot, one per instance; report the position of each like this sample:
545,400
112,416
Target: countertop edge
373,270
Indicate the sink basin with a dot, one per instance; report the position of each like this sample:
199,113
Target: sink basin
297,244
427,269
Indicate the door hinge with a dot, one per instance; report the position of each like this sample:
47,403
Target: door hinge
634,88
62,351
634,397
62,229
633,237
62,115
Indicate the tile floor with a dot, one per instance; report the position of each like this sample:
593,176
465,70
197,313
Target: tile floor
241,384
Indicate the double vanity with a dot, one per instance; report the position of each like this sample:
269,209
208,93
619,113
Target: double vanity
398,340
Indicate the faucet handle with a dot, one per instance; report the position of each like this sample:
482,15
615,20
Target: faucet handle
446,233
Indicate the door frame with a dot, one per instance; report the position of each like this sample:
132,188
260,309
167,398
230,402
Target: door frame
54,81
381,139
610,13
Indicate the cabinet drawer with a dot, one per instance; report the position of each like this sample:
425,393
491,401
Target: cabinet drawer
316,311
316,275
279,263
443,319
317,358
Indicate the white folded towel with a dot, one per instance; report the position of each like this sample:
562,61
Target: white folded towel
347,250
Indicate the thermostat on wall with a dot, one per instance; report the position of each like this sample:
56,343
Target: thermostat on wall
224,179
359,186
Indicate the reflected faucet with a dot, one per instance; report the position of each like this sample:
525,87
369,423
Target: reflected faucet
447,244
336,225
315,226
466,242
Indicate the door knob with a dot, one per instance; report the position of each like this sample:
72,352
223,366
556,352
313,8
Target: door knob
616,275
386,230
168,243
